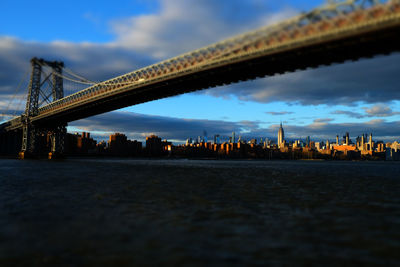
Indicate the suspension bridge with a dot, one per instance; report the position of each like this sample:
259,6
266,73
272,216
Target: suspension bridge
340,30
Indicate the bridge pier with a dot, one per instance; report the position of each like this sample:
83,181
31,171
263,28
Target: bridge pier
57,141
43,142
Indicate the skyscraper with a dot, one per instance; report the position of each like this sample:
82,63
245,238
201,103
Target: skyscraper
371,147
281,136
233,137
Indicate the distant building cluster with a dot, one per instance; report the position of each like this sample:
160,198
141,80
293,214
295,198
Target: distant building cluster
118,145
364,147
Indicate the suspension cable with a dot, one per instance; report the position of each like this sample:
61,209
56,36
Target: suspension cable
21,100
70,72
15,93
67,78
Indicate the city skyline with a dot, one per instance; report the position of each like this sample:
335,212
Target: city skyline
356,97
279,139
364,147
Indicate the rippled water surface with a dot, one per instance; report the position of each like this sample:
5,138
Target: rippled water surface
189,212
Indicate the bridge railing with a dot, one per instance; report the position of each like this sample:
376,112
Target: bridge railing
332,17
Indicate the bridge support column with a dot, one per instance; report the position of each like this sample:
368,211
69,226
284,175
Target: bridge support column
33,144
40,140
57,142
43,142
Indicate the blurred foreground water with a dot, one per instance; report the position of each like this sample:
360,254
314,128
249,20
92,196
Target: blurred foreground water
198,212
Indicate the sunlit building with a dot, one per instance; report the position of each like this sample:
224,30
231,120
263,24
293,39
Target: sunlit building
281,136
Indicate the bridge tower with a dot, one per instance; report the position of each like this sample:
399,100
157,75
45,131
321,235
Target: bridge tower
31,133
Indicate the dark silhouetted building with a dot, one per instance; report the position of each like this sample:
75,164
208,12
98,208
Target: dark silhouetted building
119,145
80,144
154,146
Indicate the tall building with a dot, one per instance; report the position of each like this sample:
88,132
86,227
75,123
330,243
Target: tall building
281,136
362,142
371,146
233,138
189,141
119,145
153,145
308,141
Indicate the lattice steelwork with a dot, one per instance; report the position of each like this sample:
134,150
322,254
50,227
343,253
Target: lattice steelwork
337,18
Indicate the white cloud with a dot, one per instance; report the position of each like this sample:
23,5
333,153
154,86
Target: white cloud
380,110
182,26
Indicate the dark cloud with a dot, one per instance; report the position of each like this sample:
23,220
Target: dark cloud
95,62
350,114
324,120
379,110
278,113
368,80
381,129
137,126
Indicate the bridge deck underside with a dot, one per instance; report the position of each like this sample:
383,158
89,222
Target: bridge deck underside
323,52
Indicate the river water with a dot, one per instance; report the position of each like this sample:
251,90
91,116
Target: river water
102,212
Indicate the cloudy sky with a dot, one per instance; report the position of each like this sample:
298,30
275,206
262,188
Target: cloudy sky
100,40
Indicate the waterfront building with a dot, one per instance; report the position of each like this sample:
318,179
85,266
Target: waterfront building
153,145
393,151
119,145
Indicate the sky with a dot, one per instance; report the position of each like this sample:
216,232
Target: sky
100,40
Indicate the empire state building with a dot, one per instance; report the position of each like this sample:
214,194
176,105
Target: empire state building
281,137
